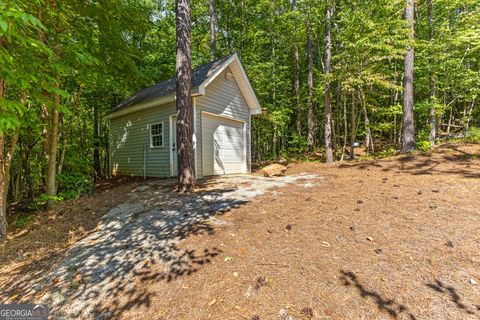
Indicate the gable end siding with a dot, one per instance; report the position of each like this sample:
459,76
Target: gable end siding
223,97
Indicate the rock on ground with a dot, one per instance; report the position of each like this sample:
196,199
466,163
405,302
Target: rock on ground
274,170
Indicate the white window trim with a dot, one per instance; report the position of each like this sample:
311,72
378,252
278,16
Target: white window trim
163,135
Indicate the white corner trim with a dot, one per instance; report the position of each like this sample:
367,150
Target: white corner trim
170,119
194,138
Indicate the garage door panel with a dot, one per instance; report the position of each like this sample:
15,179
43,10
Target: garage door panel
223,146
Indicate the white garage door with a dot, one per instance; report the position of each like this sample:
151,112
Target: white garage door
223,146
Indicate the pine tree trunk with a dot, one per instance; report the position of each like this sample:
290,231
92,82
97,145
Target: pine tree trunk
432,115
310,116
408,132
186,171
298,122
213,44
327,91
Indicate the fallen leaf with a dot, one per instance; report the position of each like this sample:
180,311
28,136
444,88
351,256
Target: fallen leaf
11,298
328,312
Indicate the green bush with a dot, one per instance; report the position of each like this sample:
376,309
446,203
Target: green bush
23,221
74,184
423,142
473,135
387,153
40,202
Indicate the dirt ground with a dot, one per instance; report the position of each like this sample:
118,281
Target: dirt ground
391,239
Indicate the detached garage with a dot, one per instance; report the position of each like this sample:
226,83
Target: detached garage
143,127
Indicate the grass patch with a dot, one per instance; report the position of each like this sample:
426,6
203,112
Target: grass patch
22,222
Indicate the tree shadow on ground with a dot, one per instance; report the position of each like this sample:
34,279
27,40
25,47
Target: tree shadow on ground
427,164
440,287
106,273
394,309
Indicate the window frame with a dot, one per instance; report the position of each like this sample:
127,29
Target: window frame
162,134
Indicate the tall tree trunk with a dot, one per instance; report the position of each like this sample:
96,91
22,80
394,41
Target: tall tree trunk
298,121
327,91
186,171
96,144
213,44
51,187
353,128
3,185
432,116
310,116
66,135
53,145
469,116
408,128
345,127
368,138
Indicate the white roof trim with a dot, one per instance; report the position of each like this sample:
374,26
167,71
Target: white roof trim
255,106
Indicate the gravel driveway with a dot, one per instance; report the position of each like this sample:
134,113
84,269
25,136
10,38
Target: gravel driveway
146,230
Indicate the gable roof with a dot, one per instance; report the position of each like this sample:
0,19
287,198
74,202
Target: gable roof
201,78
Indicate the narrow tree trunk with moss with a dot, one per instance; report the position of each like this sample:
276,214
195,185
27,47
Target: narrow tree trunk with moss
186,171
408,132
327,91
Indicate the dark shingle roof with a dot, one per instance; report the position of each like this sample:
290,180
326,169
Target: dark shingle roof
199,75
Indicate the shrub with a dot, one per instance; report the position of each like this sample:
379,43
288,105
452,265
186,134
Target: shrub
473,135
23,221
423,142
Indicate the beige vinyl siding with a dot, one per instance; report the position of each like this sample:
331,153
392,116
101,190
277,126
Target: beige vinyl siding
130,135
223,97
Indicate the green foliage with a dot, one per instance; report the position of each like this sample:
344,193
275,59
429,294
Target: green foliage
24,221
41,201
473,135
386,153
74,184
423,142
